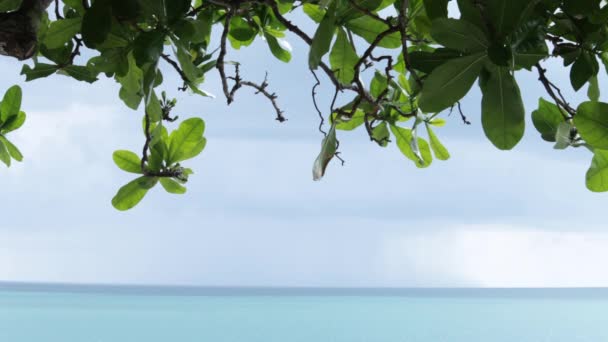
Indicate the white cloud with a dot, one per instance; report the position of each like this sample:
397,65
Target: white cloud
70,131
499,256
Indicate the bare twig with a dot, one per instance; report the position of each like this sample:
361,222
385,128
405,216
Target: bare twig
306,38
403,25
567,111
462,116
222,55
179,70
369,13
314,101
261,89
57,12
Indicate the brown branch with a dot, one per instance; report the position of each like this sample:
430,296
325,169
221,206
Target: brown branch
306,38
222,55
369,13
164,173
403,25
558,98
144,154
462,116
76,51
179,70
367,54
57,13
261,89
314,101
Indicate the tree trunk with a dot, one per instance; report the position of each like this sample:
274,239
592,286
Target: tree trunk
18,30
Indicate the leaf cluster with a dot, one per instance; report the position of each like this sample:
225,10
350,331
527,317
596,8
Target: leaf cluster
397,67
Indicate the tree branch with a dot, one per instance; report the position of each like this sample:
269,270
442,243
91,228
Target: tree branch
403,25
558,98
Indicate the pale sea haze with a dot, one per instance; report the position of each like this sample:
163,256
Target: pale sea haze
70,313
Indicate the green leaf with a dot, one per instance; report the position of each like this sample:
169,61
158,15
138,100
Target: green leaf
378,85
154,9
584,67
14,122
75,4
593,92
127,161
96,23
131,194
459,35
581,7
563,136
13,151
528,43
62,31
505,15
125,9
436,8
547,119
60,55
172,186
369,28
132,81
437,122
202,27
81,73
5,157
148,46
176,9
470,12
439,150
11,103
10,5
187,141
132,100
502,110
200,92
450,82
500,54
427,61
348,124
597,175
157,156
591,121
421,155
381,134
329,146
528,58
277,50
153,109
314,12
347,11
40,70
321,41
185,61
241,30
343,58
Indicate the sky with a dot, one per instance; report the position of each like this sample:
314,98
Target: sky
252,215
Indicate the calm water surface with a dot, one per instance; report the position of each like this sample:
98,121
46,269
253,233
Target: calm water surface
131,314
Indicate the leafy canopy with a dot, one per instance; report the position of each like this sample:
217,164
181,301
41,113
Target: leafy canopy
420,58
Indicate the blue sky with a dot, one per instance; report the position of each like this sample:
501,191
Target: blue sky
254,217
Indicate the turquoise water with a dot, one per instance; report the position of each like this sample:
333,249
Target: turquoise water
275,315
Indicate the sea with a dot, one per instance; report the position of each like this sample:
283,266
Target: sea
93,313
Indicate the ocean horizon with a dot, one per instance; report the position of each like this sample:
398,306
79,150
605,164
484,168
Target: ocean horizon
42,312
221,290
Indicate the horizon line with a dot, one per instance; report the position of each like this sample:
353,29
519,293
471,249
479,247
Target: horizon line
223,290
